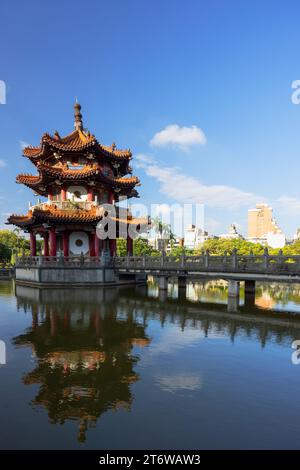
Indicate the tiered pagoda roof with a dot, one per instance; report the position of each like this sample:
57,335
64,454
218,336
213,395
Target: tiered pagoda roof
48,174
47,157
76,141
52,214
96,165
49,213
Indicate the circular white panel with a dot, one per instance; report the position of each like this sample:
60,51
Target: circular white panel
79,243
79,193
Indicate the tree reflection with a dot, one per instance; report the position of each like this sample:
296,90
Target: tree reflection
85,364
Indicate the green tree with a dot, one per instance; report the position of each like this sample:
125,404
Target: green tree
121,247
293,249
140,247
5,252
218,246
178,251
13,244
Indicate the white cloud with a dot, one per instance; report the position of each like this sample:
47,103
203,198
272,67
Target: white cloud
173,339
184,188
288,204
143,160
182,137
179,382
23,144
3,163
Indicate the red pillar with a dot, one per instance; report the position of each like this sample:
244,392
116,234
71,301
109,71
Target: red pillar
129,245
63,194
46,244
111,197
50,195
112,247
52,242
97,245
92,243
66,320
53,323
90,194
35,318
65,238
32,244
97,323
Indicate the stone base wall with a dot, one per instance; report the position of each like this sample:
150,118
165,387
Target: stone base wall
28,274
62,276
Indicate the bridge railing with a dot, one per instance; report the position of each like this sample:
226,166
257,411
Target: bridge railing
205,262
6,270
5,265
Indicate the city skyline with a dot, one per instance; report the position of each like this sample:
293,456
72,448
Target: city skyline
201,126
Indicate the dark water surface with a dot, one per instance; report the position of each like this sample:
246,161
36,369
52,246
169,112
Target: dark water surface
128,368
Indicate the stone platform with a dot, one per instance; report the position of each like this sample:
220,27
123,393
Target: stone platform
75,271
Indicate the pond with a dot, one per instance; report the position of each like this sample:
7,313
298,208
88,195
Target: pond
129,368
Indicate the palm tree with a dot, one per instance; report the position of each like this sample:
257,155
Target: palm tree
163,230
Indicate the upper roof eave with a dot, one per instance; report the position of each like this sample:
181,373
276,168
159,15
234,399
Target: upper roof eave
76,141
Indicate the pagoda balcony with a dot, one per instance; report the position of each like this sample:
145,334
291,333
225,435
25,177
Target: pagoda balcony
67,205
60,260
75,206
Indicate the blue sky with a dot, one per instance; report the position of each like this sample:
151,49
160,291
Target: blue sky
137,67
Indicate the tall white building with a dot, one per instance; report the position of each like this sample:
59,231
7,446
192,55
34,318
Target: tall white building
194,237
232,233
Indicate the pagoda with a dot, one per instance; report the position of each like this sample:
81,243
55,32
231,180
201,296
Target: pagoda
78,175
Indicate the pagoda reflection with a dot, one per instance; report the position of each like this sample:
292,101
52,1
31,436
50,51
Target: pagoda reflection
83,349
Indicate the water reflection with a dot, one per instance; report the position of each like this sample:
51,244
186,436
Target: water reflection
83,347
7,288
177,382
92,347
271,296
214,319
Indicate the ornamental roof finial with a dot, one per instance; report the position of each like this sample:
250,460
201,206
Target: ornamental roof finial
78,116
